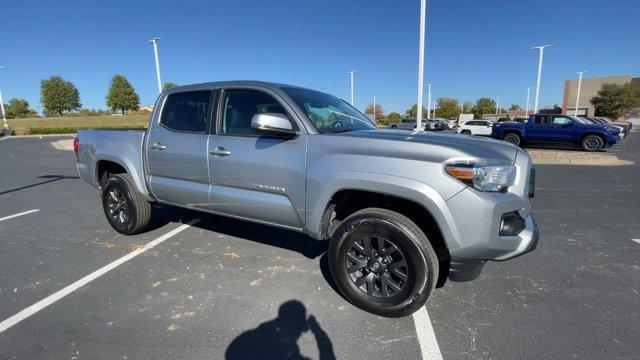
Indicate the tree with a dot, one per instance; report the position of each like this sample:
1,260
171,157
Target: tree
616,100
121,95
484,106
379,111
413,112
17,108
448,108
467,107
393,117
168,85
58,95
515,107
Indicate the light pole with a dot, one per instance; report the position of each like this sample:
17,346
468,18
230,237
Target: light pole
423,19
498,106
541,48
526,109
575,112
154,41
374,108
351,76
5,126
428,101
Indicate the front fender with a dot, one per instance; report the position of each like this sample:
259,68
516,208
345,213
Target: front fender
401,187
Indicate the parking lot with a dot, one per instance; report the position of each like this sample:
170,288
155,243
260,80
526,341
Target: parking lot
214,288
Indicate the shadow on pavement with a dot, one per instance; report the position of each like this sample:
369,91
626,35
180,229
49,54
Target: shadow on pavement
51,178
249,231
278,338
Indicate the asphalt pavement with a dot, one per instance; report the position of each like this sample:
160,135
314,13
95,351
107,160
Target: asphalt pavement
221,287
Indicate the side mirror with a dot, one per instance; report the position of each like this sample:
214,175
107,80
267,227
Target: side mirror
275,124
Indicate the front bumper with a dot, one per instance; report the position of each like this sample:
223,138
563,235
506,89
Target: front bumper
478,217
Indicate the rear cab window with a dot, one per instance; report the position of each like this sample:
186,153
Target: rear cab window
186,111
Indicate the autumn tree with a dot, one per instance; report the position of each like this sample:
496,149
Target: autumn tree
379,111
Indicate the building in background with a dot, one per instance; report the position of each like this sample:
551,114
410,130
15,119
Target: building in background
589,89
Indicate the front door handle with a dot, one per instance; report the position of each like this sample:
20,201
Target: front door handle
157,146
220,151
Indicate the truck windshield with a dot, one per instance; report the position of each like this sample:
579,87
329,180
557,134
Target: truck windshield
328,113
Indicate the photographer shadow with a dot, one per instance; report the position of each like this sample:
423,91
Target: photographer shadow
278,338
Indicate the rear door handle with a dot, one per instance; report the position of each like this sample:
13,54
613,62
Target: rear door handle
157,146
220,151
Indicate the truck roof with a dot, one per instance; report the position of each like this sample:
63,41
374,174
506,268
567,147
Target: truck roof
216,84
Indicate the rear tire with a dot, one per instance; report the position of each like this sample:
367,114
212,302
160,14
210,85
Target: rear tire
512,138
465,132
592,143
394,127
126,211
382,262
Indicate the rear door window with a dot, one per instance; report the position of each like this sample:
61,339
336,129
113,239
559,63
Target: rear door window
186,111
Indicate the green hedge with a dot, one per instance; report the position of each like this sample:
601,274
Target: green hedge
72,130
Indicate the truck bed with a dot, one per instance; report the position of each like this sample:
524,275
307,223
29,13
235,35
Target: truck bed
122,146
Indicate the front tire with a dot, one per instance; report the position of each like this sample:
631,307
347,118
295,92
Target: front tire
394,127
512,138
126,211
592,143
382,262
465,132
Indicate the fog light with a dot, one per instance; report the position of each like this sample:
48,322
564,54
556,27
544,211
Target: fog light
512,224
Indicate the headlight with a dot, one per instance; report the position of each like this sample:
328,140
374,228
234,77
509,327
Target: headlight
483,177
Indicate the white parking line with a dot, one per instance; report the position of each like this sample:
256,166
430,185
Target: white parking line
426,337
87,279
636,240
19,214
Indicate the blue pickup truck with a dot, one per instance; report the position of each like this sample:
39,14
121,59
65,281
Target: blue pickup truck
544,128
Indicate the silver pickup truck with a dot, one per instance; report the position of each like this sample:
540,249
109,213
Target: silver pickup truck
403,210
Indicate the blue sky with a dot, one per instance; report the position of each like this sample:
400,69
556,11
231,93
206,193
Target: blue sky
473,49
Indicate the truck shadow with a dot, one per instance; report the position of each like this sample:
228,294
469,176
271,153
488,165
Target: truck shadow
263,234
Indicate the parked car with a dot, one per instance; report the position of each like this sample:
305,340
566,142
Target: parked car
444,123
628,125
398,207
476,127
436,125
593,120
408,124
558,129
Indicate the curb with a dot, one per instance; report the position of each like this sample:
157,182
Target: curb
583,162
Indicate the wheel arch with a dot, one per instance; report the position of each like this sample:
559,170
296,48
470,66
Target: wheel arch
416,200
110,164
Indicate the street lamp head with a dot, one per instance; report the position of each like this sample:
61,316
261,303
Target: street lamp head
154,40
541,47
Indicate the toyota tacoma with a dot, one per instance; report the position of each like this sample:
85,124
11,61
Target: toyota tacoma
403,210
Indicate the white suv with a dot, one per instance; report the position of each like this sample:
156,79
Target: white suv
476,127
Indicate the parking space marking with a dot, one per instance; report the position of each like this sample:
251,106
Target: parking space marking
87,279
426,337
636,240
19,214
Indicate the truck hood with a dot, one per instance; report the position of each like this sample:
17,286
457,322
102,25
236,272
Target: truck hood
441,147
